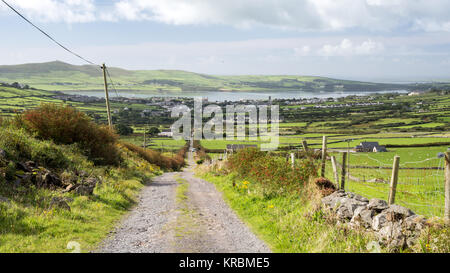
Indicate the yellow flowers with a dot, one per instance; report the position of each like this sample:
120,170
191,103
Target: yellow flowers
245,185
270,206
48,213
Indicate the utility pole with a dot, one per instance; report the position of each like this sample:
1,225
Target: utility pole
145,137
108,109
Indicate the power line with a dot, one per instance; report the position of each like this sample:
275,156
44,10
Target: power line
110,79
50,37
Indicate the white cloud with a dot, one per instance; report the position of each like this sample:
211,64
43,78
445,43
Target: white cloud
70,11
302,51
428,15
348,48
237,13
315,15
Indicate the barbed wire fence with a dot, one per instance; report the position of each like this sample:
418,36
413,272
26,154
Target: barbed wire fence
420,184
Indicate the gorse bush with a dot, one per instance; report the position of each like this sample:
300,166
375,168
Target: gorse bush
67,125
274,174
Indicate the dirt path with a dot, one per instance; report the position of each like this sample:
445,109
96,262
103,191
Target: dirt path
179,213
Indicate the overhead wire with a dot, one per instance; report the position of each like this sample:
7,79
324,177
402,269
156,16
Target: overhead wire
58,43
112,83
46,34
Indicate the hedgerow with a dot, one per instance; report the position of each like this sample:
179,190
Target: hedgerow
274,174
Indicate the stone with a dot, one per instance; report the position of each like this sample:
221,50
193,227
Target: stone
23,167
377,205
350,195
68,188
352,204
379,221
391,234
332,200
361,199
356,219
48,180
399,212
344,213
87,188
60,203
92,181
366,216
339,193
4,200
411,241
414,223
31,165
363,217
25,178
84,190
2,154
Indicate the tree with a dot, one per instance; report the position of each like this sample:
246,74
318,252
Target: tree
123,129
153,131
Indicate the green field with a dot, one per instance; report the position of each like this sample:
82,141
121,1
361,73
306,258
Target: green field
422,190
400,121
62,76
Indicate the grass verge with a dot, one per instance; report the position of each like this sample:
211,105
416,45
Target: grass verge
288,224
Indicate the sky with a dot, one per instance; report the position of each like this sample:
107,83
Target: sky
377,40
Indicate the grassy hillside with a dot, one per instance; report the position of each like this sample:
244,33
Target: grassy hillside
58,191
62,76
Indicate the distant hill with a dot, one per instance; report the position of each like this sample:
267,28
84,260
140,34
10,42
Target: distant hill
60,76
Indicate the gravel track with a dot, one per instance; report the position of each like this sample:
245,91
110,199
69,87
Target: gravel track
199,223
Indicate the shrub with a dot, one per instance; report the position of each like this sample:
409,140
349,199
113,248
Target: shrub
67,125
153,131
274,174
200,162
201,152
246,155
123,130
20,146
16,143
325,186
156,158
49,156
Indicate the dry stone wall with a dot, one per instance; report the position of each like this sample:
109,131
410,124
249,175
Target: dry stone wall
394,226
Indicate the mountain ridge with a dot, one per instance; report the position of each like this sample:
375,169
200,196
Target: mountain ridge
61,76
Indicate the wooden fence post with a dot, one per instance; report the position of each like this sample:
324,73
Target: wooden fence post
335,170
447,187
394,180
324,155
305,145
343,170
293,160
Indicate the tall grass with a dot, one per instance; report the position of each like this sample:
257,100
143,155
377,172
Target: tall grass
167,163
